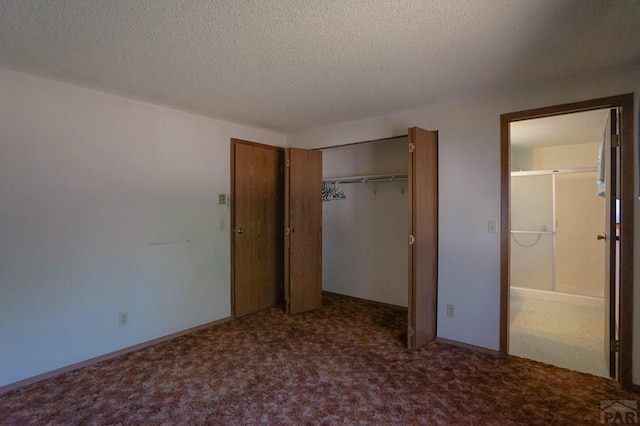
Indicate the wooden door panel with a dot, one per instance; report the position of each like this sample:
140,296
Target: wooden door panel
610,288
423,230
303,221
256,222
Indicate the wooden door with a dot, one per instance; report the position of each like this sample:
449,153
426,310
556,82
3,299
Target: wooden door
303,230
256,226
423,236
610,240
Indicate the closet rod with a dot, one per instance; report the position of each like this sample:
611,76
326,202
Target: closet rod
368,178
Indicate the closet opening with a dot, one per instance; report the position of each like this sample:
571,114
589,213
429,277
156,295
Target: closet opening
380,225
365,220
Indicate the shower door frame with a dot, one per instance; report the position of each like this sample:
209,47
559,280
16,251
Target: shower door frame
554,221
625,104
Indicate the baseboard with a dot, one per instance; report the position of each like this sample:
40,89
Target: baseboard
110,355
359,299
475,348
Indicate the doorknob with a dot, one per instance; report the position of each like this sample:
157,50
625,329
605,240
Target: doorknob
240,231
602,237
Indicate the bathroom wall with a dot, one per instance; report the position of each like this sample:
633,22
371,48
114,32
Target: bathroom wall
520,158
565,156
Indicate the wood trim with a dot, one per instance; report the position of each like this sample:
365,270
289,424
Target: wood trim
286,275
627,164
627,214
474,348
569,108
361,142
360,299
232,226
53,373
256,144
505,241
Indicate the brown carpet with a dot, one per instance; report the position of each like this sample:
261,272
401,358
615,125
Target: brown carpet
343,364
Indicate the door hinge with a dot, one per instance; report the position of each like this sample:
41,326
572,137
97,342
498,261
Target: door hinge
287,232
411,332
412,239
288,163
412,147
615,141
614,345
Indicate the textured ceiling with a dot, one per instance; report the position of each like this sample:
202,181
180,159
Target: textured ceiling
567,129
295,64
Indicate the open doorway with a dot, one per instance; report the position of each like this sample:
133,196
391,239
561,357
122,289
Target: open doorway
558,263
618,342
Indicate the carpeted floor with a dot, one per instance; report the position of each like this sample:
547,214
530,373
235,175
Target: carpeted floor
343,364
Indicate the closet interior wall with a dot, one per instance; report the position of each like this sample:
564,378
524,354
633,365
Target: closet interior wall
365,246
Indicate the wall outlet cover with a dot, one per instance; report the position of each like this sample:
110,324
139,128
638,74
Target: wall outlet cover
123,318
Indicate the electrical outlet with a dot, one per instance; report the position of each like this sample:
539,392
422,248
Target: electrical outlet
492,226
222,199
223,225
123,318
451,311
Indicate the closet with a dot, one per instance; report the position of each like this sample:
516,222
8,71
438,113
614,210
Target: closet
380,225
365,213
380,239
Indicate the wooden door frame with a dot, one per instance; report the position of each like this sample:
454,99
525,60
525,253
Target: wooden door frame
232,211
627,200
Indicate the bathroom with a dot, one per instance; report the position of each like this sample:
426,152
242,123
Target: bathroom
559,312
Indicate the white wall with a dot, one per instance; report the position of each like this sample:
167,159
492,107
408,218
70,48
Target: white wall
364,237
107,205
565,156
469,178
88,181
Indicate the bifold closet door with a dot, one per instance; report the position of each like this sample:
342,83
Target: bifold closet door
303,230
423,236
